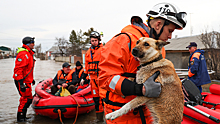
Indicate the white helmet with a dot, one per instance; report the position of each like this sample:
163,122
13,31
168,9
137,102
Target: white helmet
170,13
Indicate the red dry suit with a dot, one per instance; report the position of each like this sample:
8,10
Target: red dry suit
24,66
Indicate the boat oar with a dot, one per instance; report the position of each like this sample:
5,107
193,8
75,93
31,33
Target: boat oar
203,113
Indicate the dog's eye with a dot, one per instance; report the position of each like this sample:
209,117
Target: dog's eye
137,42
146,44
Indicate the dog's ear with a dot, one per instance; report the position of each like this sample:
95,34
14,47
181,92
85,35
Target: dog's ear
161,43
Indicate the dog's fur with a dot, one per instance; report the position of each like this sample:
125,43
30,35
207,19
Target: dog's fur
168,107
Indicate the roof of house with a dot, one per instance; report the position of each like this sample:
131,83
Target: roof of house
4,48
53,49
182,42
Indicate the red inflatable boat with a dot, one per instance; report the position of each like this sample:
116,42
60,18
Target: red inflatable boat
55,106
206,113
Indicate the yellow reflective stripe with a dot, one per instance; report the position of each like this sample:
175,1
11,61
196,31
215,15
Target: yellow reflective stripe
21,49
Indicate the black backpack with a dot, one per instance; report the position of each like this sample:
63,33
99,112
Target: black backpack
191,92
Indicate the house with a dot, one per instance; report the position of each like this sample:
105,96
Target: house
50,54
5,52
177,52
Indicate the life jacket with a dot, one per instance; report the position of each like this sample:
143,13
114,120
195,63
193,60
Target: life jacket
92,57
68,77
80,73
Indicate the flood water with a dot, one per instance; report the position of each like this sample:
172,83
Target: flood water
9,97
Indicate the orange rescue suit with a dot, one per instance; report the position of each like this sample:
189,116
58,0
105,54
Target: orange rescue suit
116,60
92,58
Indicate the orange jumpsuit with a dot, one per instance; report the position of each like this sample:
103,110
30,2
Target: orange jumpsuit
117,60
92,58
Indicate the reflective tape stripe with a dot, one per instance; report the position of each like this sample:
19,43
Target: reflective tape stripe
114,82
94,92
26,56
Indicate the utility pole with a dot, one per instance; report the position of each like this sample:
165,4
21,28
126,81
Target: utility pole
191,28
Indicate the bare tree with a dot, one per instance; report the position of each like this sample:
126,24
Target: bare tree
62,44
212,43
37,50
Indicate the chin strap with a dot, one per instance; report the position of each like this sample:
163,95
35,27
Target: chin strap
153,31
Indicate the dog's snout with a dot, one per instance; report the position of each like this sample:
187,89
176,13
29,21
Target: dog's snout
135,51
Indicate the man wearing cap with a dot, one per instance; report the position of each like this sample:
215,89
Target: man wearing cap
63,78
197,69
23,76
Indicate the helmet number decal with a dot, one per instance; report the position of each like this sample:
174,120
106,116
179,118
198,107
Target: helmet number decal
163,10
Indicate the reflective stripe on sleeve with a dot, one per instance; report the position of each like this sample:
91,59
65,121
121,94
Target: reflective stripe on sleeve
26,56
114,82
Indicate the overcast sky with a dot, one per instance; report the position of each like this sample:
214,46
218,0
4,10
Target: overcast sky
47,19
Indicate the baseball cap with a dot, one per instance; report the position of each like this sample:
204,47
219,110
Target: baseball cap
192,44
66,64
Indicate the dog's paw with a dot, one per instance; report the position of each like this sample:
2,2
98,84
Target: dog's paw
113,115
108,116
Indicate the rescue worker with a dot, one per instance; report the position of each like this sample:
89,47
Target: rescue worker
78,72
23,76
197,69
64,78
92,58
117,63
77,76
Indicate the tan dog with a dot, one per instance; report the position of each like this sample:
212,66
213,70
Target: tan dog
168,107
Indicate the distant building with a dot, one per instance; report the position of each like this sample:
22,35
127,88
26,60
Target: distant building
177,52
50,54
5,52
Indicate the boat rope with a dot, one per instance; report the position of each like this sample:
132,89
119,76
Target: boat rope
59,113
77,109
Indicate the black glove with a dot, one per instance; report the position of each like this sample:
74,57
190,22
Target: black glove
153,88
22,86
33,82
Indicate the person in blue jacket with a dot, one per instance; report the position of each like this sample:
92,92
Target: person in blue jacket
197,69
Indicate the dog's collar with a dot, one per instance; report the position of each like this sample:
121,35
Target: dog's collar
157,59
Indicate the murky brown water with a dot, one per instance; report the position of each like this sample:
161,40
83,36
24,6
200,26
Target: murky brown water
9,97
